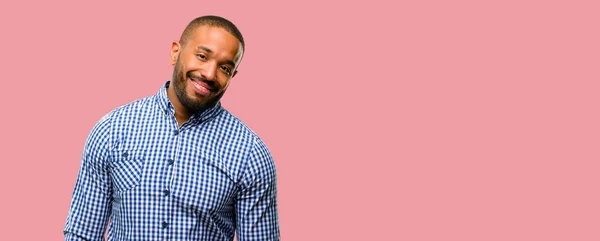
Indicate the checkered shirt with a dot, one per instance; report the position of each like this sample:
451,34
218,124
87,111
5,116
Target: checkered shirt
206,180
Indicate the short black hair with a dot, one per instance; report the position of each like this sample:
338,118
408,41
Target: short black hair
212,21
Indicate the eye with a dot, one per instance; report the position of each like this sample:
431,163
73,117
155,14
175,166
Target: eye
226,69
201,56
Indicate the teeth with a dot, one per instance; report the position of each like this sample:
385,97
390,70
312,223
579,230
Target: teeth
199,86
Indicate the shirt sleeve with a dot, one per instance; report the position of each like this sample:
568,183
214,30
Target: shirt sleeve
256,205
90,205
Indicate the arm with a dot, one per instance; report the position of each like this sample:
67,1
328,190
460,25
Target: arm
90,205
256,206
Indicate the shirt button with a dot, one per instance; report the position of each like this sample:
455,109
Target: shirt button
125,155
165,224
171,161
176,132
167,192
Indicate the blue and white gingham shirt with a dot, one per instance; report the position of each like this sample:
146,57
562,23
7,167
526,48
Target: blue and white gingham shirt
205,180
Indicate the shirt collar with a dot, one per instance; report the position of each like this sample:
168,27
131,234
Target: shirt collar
167,108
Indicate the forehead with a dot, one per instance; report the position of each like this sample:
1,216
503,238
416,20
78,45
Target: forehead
218,40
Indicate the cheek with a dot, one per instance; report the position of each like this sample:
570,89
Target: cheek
224,85
185,64
223,80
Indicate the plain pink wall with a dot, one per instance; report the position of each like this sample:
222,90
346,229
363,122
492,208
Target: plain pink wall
419,120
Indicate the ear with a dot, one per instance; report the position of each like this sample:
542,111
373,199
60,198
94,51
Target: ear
175,48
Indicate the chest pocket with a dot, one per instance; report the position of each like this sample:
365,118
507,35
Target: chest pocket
127,169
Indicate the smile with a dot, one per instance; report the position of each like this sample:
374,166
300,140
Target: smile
200,87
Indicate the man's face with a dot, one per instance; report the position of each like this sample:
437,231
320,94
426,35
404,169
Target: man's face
204,66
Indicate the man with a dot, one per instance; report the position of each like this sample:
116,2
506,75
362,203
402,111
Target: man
176,165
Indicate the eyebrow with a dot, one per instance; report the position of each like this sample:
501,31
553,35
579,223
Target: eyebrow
205,49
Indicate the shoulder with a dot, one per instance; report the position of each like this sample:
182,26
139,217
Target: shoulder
260,161
240,128
103,127
133,109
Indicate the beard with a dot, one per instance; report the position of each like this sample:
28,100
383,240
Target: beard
179,82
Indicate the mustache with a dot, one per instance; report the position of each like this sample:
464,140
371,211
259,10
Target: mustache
211,84
197,77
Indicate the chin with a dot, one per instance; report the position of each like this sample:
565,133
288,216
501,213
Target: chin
199,99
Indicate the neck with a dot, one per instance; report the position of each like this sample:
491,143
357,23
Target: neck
182,114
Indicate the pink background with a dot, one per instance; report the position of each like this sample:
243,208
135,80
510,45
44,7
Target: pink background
436,120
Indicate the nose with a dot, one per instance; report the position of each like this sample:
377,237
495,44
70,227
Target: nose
209,71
